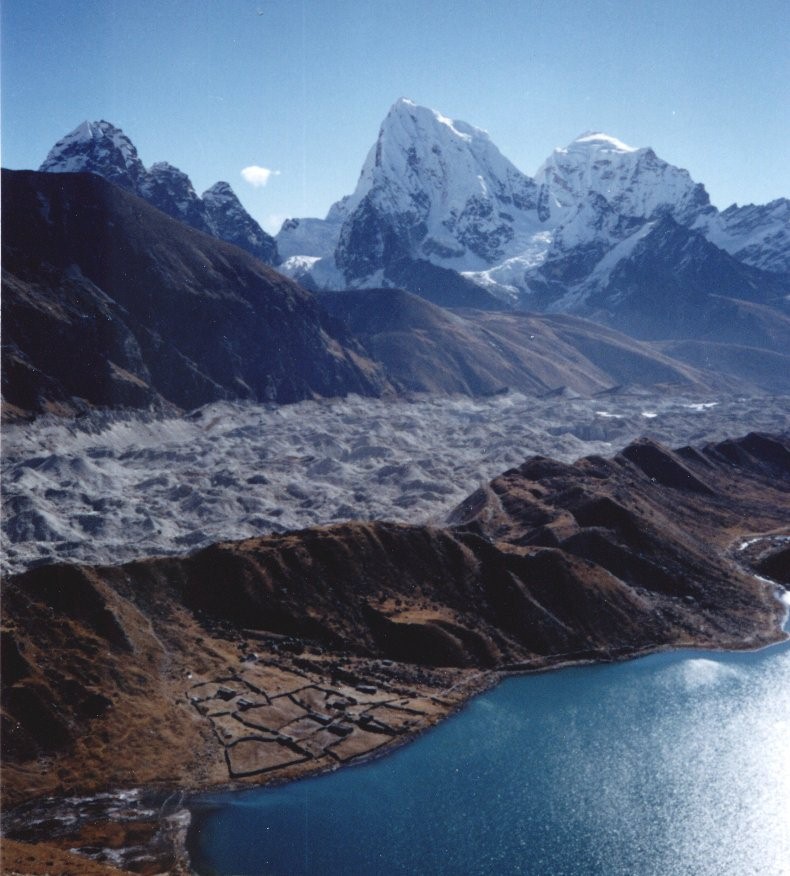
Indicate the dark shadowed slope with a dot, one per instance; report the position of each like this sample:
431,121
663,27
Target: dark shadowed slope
108,300
677,285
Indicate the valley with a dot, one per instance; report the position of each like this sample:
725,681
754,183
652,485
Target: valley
273,506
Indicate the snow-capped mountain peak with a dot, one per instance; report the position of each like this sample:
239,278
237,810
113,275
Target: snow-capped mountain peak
635,182
221,191
405,108
433,188
420,150
601,142
435,192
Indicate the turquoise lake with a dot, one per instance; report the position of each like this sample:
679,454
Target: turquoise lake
673,764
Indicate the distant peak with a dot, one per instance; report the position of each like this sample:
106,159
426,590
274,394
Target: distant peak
405,108
220,191
86,131
401,103
83,131
99,147
163,167
220,186
599,140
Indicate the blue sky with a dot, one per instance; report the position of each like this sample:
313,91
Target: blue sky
301,87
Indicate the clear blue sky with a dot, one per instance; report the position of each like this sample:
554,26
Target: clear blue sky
300,87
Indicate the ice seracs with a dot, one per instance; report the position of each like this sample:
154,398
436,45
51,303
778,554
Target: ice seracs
102,148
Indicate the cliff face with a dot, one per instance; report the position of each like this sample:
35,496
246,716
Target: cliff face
289,653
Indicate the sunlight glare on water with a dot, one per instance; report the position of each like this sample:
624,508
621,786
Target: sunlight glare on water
672,765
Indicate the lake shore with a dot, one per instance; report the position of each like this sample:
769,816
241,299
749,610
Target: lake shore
155,829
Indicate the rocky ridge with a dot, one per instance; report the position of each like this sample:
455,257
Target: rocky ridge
756,234
107,301
103,149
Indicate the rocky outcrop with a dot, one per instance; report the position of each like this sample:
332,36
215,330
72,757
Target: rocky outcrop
228,220
649,516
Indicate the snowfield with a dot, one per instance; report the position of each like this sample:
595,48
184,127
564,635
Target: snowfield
109,487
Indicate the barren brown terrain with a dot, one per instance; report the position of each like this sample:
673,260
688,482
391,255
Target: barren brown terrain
270,658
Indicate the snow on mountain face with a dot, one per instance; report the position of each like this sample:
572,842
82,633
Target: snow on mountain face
758,235
436,189
317,237
170,190
635,182
103,149
97,147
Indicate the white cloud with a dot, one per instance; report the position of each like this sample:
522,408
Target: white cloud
258,176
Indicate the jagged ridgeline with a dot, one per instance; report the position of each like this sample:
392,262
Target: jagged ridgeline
603,231
101,148
108,301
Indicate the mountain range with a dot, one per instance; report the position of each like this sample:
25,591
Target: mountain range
101,148
603,229
108,301
447,270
